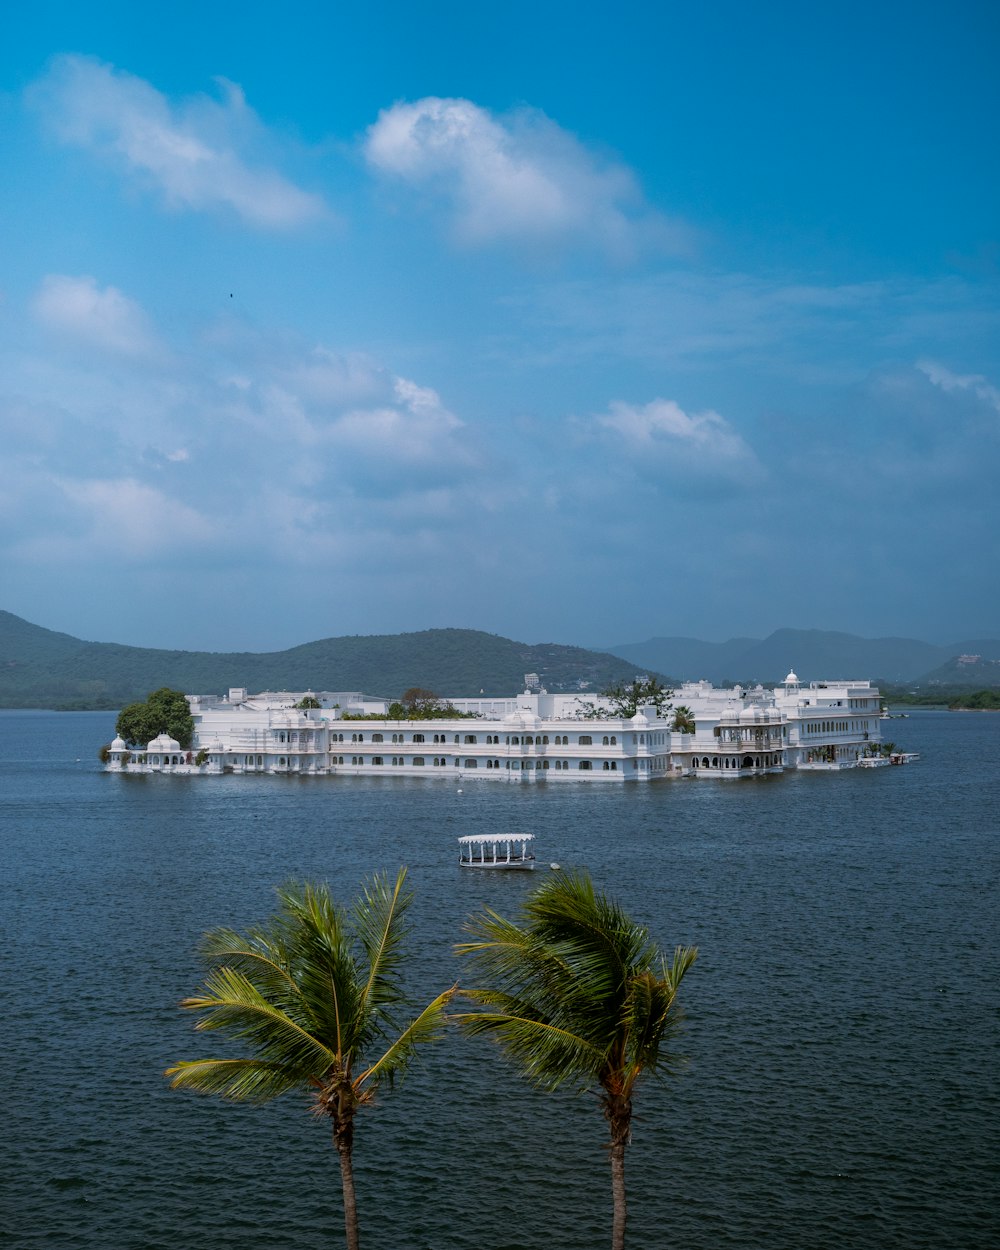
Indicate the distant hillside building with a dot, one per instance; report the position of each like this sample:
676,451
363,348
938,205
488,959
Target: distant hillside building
531,737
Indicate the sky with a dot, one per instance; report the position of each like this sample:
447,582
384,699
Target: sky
579,323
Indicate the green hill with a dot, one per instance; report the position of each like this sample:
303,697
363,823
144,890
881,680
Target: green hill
41,668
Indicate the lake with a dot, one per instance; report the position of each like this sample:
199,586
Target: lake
842,1035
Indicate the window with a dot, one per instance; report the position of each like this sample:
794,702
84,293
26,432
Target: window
585,740
471,764
471,738
377,759
584,765
418,761
604,742
418,738
614,740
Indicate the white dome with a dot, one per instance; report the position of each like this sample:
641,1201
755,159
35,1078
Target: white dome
791,679
119,745
164,742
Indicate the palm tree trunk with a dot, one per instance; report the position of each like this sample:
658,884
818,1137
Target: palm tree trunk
343,1139
618,1194
618,1111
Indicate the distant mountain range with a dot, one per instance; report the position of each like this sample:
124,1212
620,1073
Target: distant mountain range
42,668
815,654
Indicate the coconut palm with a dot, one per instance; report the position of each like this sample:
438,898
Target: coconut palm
577,993
683,721
314,994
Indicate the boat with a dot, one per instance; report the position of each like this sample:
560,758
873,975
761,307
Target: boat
903,757
496,850
873,761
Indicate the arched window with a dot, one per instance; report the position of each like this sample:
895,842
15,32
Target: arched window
604,741
471,763
585,740
614,740
418,761
584,765
418,737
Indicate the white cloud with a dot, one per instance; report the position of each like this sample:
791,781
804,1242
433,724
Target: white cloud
948,381
119,517
414,435
192,152
517,177
662,428
101,317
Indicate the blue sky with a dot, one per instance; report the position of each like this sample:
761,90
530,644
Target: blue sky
569,322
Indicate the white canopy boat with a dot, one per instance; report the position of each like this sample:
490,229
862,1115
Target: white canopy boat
496,850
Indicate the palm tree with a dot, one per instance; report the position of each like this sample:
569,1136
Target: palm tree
314,994
683,721
578,993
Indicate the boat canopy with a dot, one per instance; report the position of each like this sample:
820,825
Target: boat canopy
487,838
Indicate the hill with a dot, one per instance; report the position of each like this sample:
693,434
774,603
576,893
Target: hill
815,654
41,668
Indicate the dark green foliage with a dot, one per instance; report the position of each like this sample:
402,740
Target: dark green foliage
165,711
308,703
978,701
684,721
627,697
40,668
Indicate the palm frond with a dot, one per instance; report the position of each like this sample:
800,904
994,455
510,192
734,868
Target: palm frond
576,990
427,1027
380,927
322,962
260,955
233,1004
550,1055
236,1080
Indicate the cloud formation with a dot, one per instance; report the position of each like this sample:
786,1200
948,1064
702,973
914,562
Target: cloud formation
662,432
973,382
196,153
99,317
516,177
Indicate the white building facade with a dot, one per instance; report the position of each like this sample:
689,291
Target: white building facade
529,738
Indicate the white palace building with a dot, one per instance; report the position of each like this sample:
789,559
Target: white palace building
533,737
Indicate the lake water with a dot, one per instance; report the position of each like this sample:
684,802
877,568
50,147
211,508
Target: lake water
842,1086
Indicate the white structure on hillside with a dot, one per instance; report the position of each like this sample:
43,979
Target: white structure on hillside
532,737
